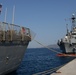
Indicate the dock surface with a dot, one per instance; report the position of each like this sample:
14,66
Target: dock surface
68,69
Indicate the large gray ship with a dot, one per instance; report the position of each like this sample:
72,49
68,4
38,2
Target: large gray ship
68,43
14,40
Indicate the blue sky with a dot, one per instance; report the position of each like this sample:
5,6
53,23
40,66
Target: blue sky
45,17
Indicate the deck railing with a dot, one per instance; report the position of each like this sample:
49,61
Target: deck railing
11,32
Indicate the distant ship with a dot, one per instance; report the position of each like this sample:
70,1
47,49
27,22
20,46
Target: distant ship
13,44
68,43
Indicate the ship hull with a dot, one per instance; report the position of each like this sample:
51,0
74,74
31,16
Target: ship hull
14,40
10,57
67,48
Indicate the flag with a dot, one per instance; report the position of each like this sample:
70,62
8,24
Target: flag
0,8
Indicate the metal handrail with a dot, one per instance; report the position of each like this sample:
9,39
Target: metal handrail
12,32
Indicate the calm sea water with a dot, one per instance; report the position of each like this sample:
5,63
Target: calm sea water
38,60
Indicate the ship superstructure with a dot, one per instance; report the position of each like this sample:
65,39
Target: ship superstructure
68,43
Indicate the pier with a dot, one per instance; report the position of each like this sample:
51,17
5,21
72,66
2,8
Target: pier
68,69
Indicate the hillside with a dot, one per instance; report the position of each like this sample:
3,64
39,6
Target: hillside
53,46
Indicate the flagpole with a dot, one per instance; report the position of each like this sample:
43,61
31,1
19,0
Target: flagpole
12,22
5,15
13,14
4,25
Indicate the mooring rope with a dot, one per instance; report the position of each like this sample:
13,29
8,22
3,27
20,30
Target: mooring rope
47,47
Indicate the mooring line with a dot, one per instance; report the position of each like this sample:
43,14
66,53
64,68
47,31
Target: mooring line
47,47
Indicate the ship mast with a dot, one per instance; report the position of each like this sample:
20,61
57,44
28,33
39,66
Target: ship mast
13,14
73,21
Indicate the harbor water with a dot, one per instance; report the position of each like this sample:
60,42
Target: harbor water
38,60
